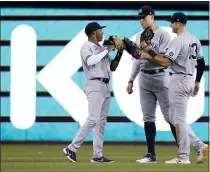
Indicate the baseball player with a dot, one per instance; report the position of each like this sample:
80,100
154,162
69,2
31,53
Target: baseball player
183,54
97,65
153,83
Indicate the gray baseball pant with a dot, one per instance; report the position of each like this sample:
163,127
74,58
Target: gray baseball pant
98,95
180,89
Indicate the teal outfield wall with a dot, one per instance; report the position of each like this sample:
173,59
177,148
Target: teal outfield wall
52,35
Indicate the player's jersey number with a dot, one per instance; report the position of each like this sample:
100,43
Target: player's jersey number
193,51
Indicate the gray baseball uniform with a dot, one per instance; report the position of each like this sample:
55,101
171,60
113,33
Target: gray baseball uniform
153,87
183,51
98,95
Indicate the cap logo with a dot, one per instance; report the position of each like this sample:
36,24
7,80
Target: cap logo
177,19
140,11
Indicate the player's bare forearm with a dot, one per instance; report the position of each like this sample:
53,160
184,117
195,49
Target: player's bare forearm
150,55
158,59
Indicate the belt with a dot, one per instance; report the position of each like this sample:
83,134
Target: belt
170,73
151,72
105,80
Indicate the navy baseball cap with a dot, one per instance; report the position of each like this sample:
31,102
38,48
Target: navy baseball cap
91,27
146,10
178,17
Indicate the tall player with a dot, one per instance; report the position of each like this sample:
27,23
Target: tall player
153,82
183,54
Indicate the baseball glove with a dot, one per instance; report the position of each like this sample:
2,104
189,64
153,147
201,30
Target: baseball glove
146,36
132,48
117,42
125,44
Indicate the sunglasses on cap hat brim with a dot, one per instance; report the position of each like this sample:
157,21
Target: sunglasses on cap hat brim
168,20
143,16
171,21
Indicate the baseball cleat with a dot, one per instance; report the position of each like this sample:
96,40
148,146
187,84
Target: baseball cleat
70,154
178,161
148,158
101,160
202,153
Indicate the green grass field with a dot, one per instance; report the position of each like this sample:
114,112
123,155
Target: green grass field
43,158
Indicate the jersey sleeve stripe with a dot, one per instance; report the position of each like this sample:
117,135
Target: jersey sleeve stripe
87,58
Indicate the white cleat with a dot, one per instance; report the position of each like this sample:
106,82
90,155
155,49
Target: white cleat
177,161
202,153
148,158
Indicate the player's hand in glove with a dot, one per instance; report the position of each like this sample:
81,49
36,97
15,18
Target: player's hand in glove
132,48
126,44
117,42
146,37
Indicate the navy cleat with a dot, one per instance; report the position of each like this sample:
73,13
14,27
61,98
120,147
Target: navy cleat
148,158
70,154
101,160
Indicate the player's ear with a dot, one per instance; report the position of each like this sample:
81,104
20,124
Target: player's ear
94,33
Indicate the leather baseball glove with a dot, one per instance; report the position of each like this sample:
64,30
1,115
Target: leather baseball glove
117,42
146,37
126,44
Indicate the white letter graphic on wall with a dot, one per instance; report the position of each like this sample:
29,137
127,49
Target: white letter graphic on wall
56,78
23,77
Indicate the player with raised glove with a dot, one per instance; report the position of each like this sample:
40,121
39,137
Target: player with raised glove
117,42
146,37
130,46
126,44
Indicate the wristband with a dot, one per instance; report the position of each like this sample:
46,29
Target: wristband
152,53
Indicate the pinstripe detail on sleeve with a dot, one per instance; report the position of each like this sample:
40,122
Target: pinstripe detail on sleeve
87,58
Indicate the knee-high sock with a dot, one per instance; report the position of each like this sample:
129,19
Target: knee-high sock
150,132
